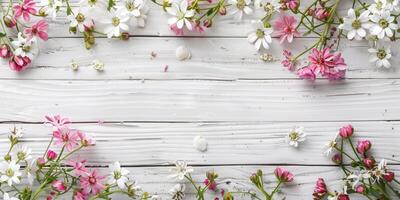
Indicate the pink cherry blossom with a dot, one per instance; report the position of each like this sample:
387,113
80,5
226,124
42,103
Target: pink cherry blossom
65,136
25,9
39,29
91,182
56,121
346,131
306,73
79,166
19,63
285,28
363,146
283,175
288,61
320,189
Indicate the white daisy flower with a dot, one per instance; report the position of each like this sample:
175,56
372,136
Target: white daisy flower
177,192
380,56
10,172
269,6
355,178
115,23
383,24
379,171
23,46
181,15
80,19
118,175
238,7
94,5
30,171
356,26
181,170
131,8
295,136
51,7
23,153
330,146
6,196
260,36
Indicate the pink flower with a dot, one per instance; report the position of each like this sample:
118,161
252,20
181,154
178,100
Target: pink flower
198,27
85,140
79,166
58,186
285,28
40,162
51,155
176,30
288,62
56,121
91,182
321,14
19,63
337,158
64,136
39,29
211,185
10,21
25,9
360,189
320,189
283,175
5,51
389,176
291,4
346,131
343,197
363,146
78,195
369,163
326,63
306,73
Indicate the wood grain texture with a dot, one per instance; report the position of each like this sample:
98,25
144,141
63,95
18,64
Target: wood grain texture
212,59
136,144
275,100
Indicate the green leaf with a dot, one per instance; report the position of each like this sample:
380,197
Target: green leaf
3,34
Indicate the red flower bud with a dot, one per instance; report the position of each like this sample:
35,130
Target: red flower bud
389,176
51,155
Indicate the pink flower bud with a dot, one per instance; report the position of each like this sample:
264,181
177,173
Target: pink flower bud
19,63
9,21
337,158
58,186
283,175
369,163
51,155
306,73
389,176
211,185
363,146
343,197
320,189
222,10
207,23
346,131
40,162
321,14
291,4
360,189
5,51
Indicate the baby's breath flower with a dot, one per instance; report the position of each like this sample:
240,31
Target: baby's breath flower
97,65
177,192
74,65
181,170
295,136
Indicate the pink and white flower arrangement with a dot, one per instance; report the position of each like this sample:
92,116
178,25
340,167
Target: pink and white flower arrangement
362,175
57,171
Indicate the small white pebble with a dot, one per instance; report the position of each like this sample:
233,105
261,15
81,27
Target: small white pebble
200,143
74,66
182,53
97,65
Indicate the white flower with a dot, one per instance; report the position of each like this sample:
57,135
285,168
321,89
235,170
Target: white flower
178,192
181,15
23,46
97,65
16,132
80,19
51,7
354,178
23,153
260,36
6,196
380,56
155,197
131,7
269,6
30,171
94,5
383,24
238,7
118,175
181,170
356,25
115,23
295,136
379,5
10,172
379,171
330,146
200,143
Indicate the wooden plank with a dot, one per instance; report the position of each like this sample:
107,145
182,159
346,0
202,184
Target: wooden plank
228,143
212,59
275,100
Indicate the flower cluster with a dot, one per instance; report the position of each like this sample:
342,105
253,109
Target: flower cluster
57,171
24,25
364,176
211,183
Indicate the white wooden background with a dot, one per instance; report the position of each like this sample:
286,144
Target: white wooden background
243,106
